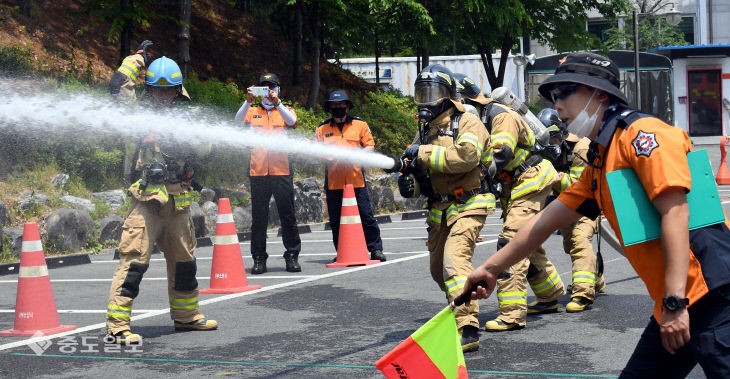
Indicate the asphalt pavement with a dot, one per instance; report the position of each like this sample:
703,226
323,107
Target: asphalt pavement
325,322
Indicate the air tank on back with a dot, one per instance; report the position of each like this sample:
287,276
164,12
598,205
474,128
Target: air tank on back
504,96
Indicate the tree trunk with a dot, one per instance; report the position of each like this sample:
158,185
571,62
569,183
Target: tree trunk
418,59
125,38
425,58
25,7
377,58
183,35
314,39
245,5
485,51
298,37
507,43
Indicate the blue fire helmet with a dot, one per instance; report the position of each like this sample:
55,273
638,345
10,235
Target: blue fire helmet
163,72
336,96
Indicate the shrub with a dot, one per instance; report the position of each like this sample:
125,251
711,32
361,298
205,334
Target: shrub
16,60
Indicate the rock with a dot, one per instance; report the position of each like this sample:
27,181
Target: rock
32,200
242,218
114,198
210,211
415,204
387,180
201,229
207,194
69,229
4,214
79,203
60,180
308,203
15,236
110,228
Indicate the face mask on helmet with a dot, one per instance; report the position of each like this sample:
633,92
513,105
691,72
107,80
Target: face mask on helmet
429,93
427,113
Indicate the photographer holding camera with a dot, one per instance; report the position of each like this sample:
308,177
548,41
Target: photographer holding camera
270,174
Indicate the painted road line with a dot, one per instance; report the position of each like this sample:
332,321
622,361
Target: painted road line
155,279
166,311
84,310
330,240
249,257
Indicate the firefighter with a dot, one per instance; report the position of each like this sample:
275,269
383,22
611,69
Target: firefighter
159,213
570,161
524,180
687,273
124,80
445,165
351,132
270,173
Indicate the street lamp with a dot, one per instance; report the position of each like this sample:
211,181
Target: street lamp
673,17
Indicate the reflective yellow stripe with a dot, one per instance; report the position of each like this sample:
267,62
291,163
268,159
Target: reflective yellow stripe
472,139
547,283
487,157
117,315
519,157
175,75
183,200
476,202
119,308
534,184
455,284
435,215
515,297
184,303
564,183
505,139
436,160
152,189
584,277
118,311
576,172
150,74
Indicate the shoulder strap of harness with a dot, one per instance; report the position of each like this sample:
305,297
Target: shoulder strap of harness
454,127
489,112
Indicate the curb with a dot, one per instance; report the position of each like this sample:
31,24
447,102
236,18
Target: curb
414,215
301,228
51,262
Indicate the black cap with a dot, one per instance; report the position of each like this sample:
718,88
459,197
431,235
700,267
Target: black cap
589,69
269,77
336,96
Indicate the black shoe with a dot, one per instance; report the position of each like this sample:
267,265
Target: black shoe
259,266
377,255
292,263
469,338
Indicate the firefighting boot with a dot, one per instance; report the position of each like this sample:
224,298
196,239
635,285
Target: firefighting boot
201,324
539,307
377,255
498,325
125,337
259,265
578,304
469,338
291,260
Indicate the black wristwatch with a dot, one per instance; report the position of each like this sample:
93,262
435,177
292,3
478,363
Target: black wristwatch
673,303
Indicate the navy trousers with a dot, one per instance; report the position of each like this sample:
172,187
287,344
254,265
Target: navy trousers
282,188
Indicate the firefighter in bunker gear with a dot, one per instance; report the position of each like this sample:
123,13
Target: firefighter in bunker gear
452,146
159,213
270,174
577,237
526,180
122,83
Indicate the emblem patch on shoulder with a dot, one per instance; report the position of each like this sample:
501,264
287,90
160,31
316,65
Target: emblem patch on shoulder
644,143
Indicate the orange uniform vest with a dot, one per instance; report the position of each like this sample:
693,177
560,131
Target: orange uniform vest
264,162
355,134
658,154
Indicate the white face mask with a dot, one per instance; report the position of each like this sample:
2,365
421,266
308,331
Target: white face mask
266,102
582,125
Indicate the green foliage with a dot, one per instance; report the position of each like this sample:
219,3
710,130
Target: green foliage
390,117
214,92
16,60
654,31
119,14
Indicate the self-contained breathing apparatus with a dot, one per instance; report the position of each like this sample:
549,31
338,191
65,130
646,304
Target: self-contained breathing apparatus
168,172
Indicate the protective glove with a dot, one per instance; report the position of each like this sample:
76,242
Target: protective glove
407,186
411,152
142,50
398,165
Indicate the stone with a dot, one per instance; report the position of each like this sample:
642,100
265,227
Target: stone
207,194
308,204
15,236
4,214
69,229
32,200
110,228
242,218
60,180
114,198
201,229
210,211
79,203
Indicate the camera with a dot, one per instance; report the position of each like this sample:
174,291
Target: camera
260,91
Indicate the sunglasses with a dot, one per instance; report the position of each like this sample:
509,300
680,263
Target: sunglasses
561,91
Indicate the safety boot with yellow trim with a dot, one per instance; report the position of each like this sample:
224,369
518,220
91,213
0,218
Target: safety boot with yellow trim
125,337
498,325
578,304
540,307
469,338
201,324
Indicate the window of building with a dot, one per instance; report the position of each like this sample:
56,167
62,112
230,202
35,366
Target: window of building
599,28
687,27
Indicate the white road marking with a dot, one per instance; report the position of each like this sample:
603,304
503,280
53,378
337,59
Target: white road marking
94,311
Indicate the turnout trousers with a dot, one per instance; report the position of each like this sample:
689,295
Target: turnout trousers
577,241
451,249
148,223
282,188
536,269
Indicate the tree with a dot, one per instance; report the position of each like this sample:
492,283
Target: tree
559,24
183,35
654,30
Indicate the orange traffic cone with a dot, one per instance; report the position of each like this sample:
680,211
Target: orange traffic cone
35,307
351,247
227,274
723,175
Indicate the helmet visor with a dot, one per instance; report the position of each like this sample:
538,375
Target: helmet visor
430,93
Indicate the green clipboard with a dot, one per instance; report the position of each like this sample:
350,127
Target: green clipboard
638,219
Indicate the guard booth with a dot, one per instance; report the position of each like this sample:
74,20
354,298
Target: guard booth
655,81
